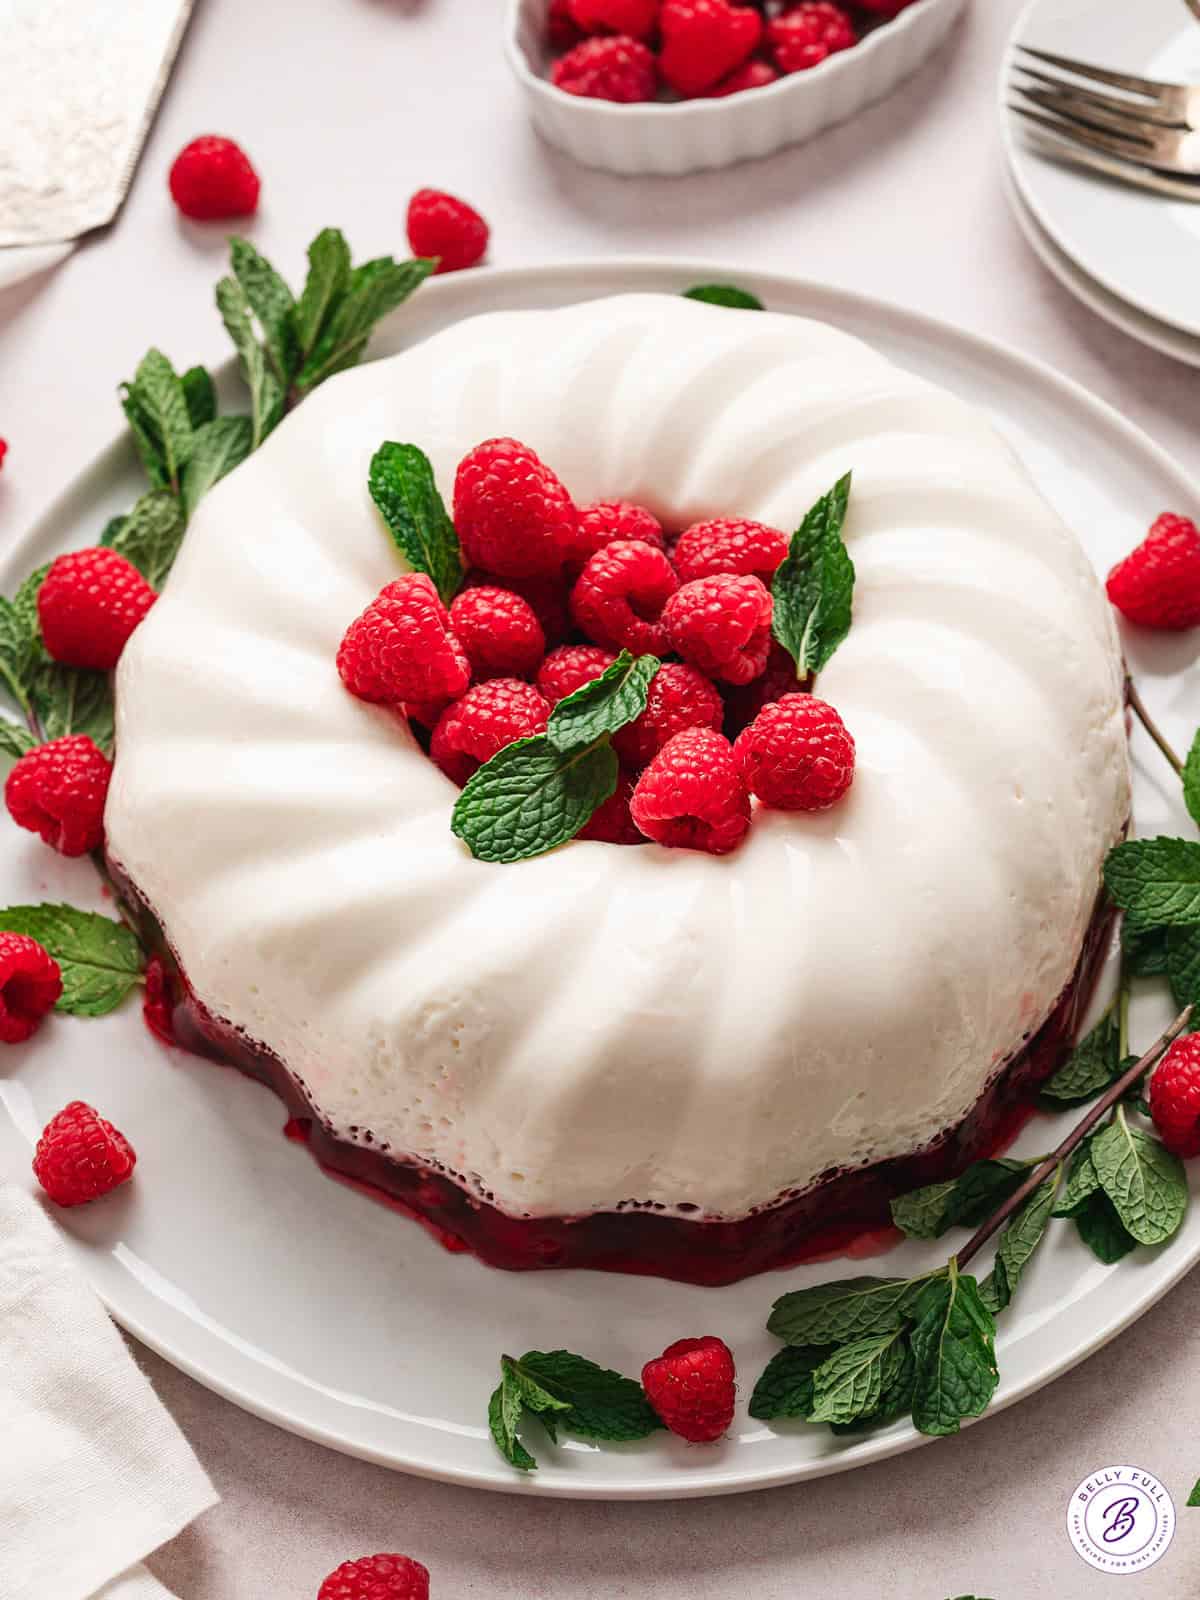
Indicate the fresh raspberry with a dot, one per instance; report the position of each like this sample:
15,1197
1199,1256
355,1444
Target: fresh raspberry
806,36
562,31
488,717
620,595
88,605
384,1577
513,515
212,178
692,795
728,545
58,791
704,41
1158,584
612,823
679,697
607,520
402,647
635,18
499,631
754,75
619,69
158,1000
1175,1097
80,1156
442,225
692,1387
743,704
30,984
797,754
569,668
722,625
549,599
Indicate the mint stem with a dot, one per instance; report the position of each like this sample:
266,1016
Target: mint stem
1138,706
1076,1137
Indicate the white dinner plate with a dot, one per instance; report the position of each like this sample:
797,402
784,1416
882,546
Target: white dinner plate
1142,248
300,1299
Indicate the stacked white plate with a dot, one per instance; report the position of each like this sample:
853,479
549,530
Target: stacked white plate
1131,256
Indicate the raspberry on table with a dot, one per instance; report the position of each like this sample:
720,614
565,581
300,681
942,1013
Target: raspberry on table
442,225
88,605
488,717
635,18
499,632
514,517
562,31
1158,584
728,544
571,666
755,74
692,1386
80,1156
603,68
212,178
612,822
722,625
608,520
679,697
704,41
797,754
1175,1097
30,984
808,34
402,648
692,795
381,1577
58,790
743,704
619,597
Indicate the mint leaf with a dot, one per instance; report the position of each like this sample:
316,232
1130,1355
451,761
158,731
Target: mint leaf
162,407
151,534
1094,1063
375,289
785,1388
1183,965
327,281
896,1387
1082,1182
146,441
531,797
20,641
271,301
1021,1237
604,705
850,1308
100,959
199,396
590,1400
266,391
1191,781
403,488
724,294
1145,950
504,1413
531,1392
953,1346
1156,882
1194,1498
965,1201
72,700
218,447
15,741
813,589
847,1385
1102,1230
1144,1181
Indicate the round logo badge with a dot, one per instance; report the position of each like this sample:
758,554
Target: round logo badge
1121,1519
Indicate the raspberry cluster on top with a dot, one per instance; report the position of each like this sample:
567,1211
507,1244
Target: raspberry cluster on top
635,50
553,593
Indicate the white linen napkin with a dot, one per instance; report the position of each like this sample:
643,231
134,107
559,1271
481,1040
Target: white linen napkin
94,1474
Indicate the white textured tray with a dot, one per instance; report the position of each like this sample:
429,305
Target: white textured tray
236,1259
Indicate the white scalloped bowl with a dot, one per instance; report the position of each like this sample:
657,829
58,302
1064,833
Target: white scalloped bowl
672,138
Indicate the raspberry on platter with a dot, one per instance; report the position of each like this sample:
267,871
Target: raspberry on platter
58,790
80,1156
30,985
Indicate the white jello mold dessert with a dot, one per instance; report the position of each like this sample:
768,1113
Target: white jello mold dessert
743,1047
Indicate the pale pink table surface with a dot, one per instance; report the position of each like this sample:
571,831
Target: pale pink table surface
347,106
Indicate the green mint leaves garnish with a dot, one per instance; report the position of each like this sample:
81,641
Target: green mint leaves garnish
1144,1181
848,1384
724,294
267,393
151,534
1102,1230
565,1390
1156,882
813,589
1093,1064
402,486
270,300
1183,964
156,407
786,1386
100,959
837,1313
605,705
953,1341
217,447
199,395
1191,781
1021,1237
965,1201
1193,1499
531,797
324,288
374,289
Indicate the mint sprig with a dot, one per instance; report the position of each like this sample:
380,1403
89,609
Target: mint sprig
531,797
565,1390
724,294
1021,1237
324,288
954,1348
848,1309
200,396
848,1384
1145,1182
156,407
1093,1064
375,289
1156,882
785,1388
406,495
813,588
1183,964
100,960
1102,1230
964,1201
605,704
151,534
